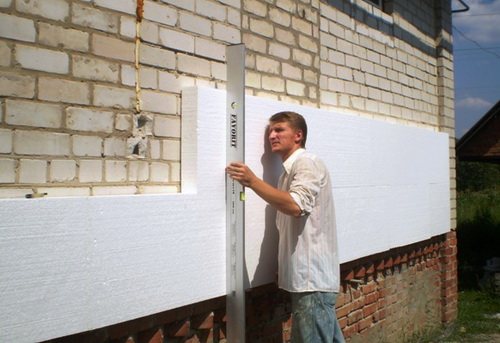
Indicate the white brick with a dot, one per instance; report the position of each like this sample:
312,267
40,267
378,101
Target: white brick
128,75
127,26
123,122
234,17
14,192
219,71
227,34
5,54
185,4
138,171
271,83
285,36
291,72
210,49
87,145
344,73
42,59
52,9
5,141
211,9
194,23
193,65
87,16
166,126
262,27
160,13
126,6
60,90
114,97
115,171
175,172
234,3
159,172
150,31
95,69
17,28
158,189
158,102
154,149
268,65
115,146
58,36
174,83
255,43
31,113
256,7
302,57
13,84
280,17
308,43
90,171
114,190
279,50
84,119
8,170
176,40
171,150
5,3
41,143
32,171
148,78
113,48
62,170
157,57
65,191
295,88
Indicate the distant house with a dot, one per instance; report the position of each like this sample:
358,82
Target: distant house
482,141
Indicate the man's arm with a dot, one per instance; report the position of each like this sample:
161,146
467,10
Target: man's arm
280,200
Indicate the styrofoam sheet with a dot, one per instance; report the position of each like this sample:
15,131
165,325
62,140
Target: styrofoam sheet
74,264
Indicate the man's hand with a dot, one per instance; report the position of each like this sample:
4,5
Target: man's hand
241,173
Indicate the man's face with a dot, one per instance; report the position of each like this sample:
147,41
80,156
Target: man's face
284,139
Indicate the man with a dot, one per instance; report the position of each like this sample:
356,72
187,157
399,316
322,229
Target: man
308,265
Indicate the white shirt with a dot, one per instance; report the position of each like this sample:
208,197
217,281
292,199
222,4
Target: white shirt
308,255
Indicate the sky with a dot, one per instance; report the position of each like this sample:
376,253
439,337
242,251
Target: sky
476,44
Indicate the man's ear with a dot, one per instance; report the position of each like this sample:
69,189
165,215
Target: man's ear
299,136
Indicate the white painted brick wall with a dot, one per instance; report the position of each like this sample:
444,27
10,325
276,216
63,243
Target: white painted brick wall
90,171
84,119
51,9
35,114
32,171
41,143
62,170
42,59
115,171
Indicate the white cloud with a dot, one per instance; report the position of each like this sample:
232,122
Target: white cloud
474,103
482,28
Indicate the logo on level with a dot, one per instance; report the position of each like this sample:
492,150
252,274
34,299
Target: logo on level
233,130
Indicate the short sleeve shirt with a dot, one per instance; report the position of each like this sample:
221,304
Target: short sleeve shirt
308,254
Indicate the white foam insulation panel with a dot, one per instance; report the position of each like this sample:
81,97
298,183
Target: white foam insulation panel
69,265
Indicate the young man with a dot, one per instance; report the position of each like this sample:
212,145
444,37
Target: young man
308,265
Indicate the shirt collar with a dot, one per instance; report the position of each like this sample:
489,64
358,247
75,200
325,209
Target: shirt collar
287,165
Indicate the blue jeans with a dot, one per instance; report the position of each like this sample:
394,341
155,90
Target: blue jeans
314,318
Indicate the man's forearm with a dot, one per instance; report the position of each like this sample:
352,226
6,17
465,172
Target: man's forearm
280,200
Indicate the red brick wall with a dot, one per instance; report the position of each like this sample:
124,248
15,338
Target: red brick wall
387,297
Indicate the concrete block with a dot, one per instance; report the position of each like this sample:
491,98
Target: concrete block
115,146
51,9
61,90
41,143
14,84
49,61
32,171
35,114
160,13
125,6
84,119
57,36
160,172
195,23
113,48
90,171
95,69
115,171
159,102
95,18
114,97
8,168
167,126
176,40
62,170
88,146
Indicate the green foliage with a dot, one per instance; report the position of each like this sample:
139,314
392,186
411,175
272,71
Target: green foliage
477,176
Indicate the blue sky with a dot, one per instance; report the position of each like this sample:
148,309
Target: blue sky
476,40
